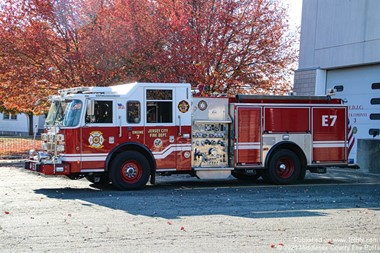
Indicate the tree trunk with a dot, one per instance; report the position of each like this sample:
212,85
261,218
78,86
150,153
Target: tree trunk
30,115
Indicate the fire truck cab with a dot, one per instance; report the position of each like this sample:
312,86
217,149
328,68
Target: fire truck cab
126,134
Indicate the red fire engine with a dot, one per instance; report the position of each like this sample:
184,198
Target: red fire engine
126,134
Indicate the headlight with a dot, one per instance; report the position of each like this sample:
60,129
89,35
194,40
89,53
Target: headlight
44,137
51,137
44,146
60,137
60,148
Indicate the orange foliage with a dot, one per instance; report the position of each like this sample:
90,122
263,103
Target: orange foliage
216,45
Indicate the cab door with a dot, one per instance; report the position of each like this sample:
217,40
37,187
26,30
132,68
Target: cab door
98,135
168,127
160,128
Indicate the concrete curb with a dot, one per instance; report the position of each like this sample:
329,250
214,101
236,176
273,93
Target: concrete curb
14,162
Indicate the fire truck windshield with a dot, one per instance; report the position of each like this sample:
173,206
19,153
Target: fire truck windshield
64,113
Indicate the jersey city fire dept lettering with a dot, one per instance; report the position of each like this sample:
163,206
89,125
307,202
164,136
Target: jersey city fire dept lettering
96,139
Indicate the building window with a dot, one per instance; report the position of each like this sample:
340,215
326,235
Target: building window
374,132
133,112
375,86
374,116
159,106
375,101
9,116
339,88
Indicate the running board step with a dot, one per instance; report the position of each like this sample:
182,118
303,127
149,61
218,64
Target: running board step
213,174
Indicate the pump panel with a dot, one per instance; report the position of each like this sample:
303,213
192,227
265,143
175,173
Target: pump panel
210,145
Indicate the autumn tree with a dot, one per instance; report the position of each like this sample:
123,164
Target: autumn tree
32,51
233,46
216,45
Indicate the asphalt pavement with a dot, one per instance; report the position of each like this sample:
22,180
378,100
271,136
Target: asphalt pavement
334,212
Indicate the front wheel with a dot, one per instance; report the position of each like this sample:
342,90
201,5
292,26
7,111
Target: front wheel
284,167
129,170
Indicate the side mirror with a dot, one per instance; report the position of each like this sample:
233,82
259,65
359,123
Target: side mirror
90,114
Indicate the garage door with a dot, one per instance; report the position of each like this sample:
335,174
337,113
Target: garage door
360,88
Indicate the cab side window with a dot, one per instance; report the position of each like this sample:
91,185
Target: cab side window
103,113
133,112
159,106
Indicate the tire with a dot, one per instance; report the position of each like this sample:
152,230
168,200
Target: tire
245,177
103,178
129,170
284,168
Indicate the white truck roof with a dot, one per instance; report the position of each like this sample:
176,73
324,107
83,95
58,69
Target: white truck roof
121,89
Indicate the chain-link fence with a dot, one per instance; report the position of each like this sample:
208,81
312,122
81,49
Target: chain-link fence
14,147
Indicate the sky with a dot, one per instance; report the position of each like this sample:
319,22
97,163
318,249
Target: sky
295,11
295,14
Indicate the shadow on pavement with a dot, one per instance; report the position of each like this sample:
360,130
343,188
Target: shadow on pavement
173,198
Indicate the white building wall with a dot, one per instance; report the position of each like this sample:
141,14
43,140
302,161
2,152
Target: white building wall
359,95
19,126
339,33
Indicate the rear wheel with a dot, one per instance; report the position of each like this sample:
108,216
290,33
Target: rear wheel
284,167
130,170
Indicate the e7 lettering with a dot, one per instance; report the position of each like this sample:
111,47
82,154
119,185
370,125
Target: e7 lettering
329,120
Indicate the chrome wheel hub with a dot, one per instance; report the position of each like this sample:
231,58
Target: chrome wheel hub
282,167
130,172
